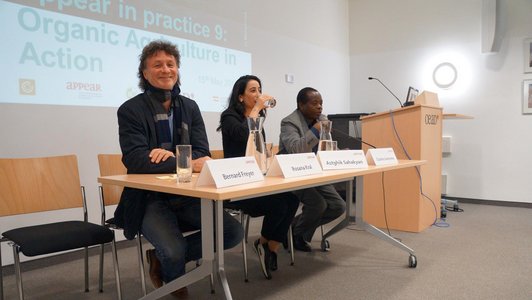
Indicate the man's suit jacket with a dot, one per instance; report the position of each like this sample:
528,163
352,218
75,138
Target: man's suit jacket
136,127
295,135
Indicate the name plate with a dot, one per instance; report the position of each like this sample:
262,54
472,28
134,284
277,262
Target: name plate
381,157
229,172
342,159
294,165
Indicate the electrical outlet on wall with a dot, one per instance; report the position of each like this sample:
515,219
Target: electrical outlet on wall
289,78
446,144
444,184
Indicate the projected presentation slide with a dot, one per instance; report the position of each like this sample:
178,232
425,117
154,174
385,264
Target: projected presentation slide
83,52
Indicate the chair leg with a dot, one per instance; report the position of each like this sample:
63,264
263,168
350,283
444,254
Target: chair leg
291,245
100,276
244,219
325,246
247,227
212,283
86,269
117,271
18,276
141,264
1,273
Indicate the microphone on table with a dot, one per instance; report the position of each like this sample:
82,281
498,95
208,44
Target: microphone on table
373,78
345,135
365,143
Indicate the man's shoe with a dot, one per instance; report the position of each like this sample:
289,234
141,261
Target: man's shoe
155,268
301,245
182,293
264,257
273,261
285,242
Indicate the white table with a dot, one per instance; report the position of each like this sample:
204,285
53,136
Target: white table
271,185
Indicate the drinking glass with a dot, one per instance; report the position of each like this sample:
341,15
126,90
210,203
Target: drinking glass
325,134
333,146
270,103
183,156
255,145
329,146
269,155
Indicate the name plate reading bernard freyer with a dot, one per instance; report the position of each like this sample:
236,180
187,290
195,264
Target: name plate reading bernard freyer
230,172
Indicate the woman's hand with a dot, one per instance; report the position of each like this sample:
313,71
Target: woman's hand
259,105
158,154
263,98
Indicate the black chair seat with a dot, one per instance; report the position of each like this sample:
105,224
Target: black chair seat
111,224
55,237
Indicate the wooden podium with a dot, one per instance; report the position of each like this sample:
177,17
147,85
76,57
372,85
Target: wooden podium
419,128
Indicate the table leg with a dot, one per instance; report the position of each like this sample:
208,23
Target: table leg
220,248
360,223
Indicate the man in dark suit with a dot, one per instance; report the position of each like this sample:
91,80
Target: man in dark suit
150,126
300,133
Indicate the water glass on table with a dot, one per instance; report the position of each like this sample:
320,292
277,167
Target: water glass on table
269,155
329,145
332,146
183,156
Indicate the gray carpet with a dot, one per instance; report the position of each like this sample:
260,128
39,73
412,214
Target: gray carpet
485,253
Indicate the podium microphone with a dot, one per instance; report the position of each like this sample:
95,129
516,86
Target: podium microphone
373,78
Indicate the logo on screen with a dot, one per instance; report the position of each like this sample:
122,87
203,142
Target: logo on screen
26,86
85,90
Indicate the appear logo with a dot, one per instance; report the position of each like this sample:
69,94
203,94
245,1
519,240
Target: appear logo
26,86
83,86
86,90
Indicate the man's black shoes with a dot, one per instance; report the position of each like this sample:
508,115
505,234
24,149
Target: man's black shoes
301,245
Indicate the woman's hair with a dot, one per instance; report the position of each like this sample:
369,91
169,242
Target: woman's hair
151,49
239,88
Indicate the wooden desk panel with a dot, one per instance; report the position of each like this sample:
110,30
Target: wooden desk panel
270,185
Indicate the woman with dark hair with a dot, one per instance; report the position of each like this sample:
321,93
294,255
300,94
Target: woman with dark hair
246,100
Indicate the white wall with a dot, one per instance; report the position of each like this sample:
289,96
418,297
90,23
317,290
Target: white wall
401,41
308,39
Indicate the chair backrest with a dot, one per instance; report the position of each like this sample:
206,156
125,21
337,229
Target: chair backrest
29,185
217,154
275,149
111,164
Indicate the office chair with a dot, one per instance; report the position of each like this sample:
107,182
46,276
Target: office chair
111,164
30,185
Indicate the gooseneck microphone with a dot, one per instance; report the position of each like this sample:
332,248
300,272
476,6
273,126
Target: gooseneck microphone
342,134
373,78
360,140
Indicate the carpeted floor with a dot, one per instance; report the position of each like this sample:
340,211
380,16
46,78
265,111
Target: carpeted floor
484,253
